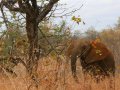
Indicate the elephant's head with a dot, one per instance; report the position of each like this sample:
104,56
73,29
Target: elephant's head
94,51
74,50
76,46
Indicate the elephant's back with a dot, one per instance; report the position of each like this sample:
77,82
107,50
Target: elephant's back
99,52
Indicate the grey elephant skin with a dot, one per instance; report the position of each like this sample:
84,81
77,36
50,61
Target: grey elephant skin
95,58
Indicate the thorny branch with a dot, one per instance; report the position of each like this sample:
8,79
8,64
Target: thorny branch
47,40
69,13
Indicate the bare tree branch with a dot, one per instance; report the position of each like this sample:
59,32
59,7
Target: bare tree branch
69,13
4,18
34,4
21,5
10,7
52,12
46,10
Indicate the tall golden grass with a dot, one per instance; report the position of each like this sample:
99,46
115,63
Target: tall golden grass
54,75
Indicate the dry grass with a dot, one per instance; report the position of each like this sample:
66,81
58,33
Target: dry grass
54,76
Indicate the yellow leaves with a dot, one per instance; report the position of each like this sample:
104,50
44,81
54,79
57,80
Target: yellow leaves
73,18
99,52
76,19
96,47
97,40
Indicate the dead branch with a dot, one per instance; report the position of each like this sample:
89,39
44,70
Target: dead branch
3,16
46,10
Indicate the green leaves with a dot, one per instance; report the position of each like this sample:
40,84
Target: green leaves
1,23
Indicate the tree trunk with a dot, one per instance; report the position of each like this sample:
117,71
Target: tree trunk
32,34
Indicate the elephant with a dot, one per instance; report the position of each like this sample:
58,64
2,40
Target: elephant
95,58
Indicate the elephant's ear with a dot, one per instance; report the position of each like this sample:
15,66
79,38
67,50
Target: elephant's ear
98,52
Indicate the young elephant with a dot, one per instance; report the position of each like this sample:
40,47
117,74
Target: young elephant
95,57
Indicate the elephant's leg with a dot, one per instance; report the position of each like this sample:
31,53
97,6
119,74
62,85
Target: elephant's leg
73,67
108,72
112,83
67,63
